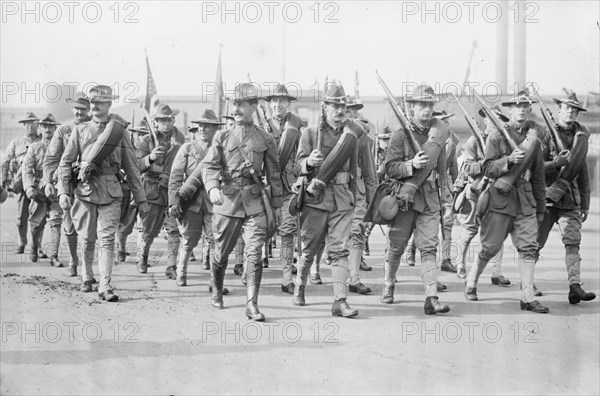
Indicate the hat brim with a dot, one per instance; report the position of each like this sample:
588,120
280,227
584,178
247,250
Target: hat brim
246,99
228,117
77,103
570,103
104,100
162,116
422,99
336,101
207,121
193,129
28,120
357,106
48,123
288,97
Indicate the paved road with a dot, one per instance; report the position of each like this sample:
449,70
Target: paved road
161,339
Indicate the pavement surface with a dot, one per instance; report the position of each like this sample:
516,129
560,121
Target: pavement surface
164,339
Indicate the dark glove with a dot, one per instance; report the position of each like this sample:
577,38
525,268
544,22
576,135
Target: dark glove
175,211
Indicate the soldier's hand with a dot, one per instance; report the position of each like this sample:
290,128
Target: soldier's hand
420,160
143,209
216,197
64,201
278,217
516,157
186,192
563,158
50,190
315,158
158,152
584,215
175,211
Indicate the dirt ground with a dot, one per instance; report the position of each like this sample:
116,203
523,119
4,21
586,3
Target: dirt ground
164,339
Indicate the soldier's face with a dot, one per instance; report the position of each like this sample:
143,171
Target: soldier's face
164,125
243,111
352,113
31,129
206,132
488,126
47,131
100,109
519,113
80,114
335,113
567,114
280,106
422,111
229,123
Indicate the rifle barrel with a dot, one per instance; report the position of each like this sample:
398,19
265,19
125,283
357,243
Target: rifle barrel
501,126
472,123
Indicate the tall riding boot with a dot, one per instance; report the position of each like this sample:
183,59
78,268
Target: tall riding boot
461,267
217,278
143,252
35,241
182,265
473,279
254,277
54,245
74,258
286,259
389,281
22,236
172,249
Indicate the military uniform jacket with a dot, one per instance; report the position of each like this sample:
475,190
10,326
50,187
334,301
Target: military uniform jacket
528,196
287,130
398,166
33,165
156,176
224,168
578,195
14,156
188,158
105,187
338,194
56,148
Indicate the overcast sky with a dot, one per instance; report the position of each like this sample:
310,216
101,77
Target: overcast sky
182,39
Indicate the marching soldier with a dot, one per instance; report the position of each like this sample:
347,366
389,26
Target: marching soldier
366,183
568,197
232,173
327,159
514,201
286,127
80,107
473,169
129,212
102,148
12,178
41,205
418,199
189,202
155,155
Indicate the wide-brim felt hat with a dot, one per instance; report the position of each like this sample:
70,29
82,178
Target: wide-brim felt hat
245,92
442,115
193,129
163,110
280,91
79,100
48,120
208,117
335,94
101,93
354,103
423,93
30,117
570,100
521,97
497,111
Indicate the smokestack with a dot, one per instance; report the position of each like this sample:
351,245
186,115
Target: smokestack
502,48
519,58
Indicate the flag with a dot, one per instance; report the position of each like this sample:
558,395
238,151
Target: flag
218,98
151,93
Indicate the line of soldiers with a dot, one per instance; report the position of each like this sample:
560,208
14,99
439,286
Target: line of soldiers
318,185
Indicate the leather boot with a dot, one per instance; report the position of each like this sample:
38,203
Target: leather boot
121,250
461,267
54,242
217,278
74,258
22,237
387,294
254,278
299,295
433,306
143,252
206,256
533,306
341,308
172,249
181,269
577,294
35,240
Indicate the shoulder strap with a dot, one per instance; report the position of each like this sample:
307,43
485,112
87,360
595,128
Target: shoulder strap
247,162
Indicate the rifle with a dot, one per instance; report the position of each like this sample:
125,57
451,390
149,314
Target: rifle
414,145
501,126
552,125
473,125
152,134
